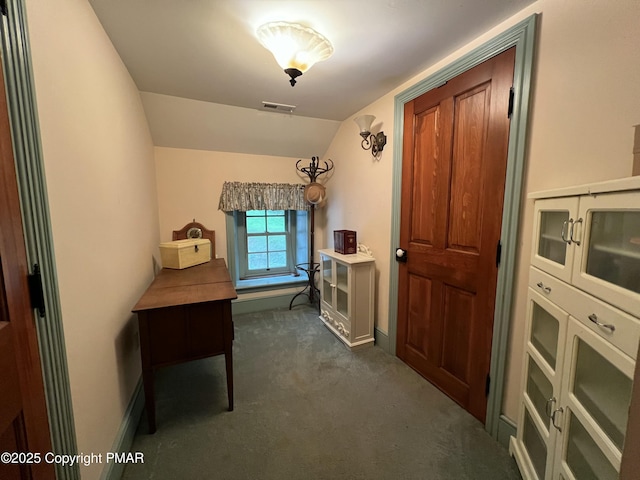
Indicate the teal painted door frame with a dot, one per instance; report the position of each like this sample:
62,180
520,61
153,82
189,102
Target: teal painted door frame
25,132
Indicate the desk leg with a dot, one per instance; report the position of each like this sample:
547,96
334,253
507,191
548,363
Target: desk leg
147,369
228,360
228,334
149,399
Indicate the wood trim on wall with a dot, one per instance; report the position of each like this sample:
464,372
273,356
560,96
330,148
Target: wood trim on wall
522,36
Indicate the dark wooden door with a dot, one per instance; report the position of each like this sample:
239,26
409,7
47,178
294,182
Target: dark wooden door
24,425
453,174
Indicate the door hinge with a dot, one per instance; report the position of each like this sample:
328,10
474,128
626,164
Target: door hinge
3,8
36,292
487,385
498,253
511,98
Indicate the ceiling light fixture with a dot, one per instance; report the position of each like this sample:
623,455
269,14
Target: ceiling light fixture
369,141
295,47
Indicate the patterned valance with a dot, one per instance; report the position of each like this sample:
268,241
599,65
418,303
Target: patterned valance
239,196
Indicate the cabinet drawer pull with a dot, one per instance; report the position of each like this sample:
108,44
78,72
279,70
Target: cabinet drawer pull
543,287
553,418
332,285
594,318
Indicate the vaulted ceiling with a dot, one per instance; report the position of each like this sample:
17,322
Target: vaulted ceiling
204,75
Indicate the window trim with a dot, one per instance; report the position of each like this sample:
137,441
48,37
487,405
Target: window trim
274,282
243,249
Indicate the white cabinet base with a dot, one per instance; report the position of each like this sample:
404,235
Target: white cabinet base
341,331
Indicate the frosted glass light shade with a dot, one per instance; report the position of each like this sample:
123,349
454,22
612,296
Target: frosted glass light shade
364,123
294,46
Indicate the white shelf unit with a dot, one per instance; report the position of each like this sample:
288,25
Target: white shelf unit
582,332
347,296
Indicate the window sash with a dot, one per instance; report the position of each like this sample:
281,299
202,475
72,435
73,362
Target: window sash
246,251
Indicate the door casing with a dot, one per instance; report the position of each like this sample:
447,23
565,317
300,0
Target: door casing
522,36
21,102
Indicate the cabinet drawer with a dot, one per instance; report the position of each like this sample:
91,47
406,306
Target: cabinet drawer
593,313
615,326
557,291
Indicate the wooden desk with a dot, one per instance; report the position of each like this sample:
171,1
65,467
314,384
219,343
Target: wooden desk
185,315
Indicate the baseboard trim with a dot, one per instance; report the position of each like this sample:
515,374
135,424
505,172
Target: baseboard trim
253,303
506,430
382,340
124,438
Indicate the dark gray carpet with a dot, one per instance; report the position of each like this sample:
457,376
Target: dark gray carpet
308,408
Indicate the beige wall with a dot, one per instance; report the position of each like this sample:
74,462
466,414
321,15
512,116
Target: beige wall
190,183
100,175
585,101
104,198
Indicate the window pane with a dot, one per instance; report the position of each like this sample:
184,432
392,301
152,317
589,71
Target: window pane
277,242
275,212
276,224
253,213
256,225
256,244
277,259
257,261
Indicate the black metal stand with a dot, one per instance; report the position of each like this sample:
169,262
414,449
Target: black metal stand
313,171
310,290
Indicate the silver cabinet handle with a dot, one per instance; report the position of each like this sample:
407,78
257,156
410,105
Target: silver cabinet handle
553,418
563,232
547,408
543,287
573,224
594,318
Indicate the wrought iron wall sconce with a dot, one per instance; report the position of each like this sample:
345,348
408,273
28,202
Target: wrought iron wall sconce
372,142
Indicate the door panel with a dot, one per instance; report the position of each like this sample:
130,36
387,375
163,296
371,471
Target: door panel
469,135
453,172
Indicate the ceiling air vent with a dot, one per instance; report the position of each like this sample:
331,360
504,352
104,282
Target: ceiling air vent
278,107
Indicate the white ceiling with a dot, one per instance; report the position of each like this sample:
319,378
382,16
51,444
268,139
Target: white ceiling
206,50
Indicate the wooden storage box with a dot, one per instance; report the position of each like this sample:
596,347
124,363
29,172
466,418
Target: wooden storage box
181,254
344,242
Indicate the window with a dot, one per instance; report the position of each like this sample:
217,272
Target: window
268,245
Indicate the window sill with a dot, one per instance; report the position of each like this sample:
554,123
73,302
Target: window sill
270,283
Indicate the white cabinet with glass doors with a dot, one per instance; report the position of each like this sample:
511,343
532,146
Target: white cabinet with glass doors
592,241
582,332
346,292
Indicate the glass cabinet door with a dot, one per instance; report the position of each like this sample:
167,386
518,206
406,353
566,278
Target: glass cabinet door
553,230
540,392
553,250
598,384
342,289
609,266
603,390
535,446
546,330
584,458
327,280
